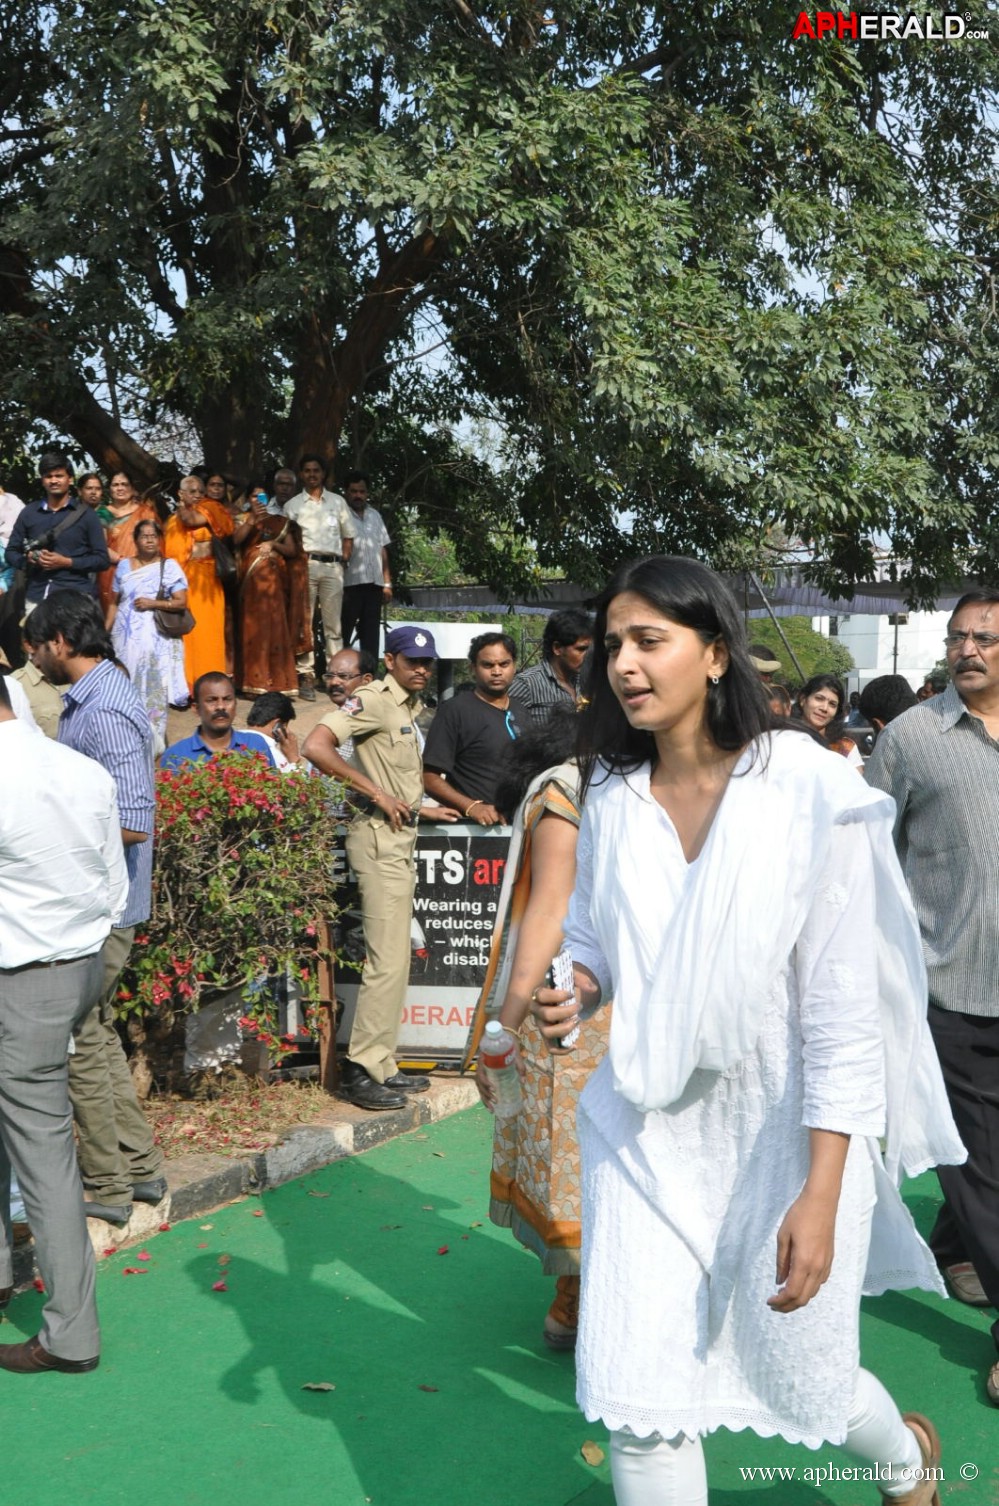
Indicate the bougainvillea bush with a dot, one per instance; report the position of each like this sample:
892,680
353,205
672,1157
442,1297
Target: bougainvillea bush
242,877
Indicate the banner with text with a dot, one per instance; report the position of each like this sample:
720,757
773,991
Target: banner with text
459,870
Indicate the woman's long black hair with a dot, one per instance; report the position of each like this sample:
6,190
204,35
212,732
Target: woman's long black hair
537,749
833,730
689,593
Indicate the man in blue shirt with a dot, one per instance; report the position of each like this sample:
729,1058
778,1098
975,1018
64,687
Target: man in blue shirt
59,543
215,702
104,719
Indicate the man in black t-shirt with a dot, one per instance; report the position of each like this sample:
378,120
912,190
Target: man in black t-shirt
470,734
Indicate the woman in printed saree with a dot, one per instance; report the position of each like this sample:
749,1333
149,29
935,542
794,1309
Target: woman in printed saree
737,891
121,517
534,1184
155,662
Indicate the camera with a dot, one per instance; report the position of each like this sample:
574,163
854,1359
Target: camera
34,547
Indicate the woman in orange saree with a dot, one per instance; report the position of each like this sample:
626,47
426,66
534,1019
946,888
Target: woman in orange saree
187,539
126,510
272,604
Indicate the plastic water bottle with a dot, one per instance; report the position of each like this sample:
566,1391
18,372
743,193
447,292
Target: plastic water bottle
498,1057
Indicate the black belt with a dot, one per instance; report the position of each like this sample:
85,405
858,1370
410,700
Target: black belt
326,559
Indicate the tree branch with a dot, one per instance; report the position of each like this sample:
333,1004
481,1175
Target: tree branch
467,14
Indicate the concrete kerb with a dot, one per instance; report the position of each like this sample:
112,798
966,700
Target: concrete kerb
199,1184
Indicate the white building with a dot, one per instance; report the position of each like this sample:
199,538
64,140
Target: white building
910,646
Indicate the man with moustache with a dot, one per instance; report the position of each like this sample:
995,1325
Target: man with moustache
387,776
57,542
471,734
215,703
940,762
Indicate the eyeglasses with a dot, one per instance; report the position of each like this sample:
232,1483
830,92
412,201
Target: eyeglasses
332,674
982,640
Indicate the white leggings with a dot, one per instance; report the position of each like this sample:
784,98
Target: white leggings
670,1472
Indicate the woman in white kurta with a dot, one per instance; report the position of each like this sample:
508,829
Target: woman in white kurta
737,894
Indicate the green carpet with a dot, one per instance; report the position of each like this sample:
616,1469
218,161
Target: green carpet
444,1394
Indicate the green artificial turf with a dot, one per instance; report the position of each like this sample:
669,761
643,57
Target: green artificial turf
444,1393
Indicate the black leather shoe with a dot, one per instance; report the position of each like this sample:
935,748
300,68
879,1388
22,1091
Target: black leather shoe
111,1213
30,1358
408,1082
153,1191
362,1091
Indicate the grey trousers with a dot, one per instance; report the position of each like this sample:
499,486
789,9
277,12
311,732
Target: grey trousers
39,1008
116,1145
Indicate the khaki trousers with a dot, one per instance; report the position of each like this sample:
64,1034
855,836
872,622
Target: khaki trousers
326,587
115,1142
382,859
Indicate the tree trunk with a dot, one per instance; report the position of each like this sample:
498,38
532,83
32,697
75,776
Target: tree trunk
61,396
328,380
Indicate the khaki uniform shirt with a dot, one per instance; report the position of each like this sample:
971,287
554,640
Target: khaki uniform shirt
381,719
43,698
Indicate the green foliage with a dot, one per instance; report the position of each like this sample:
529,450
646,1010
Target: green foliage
243,876
691,280
817,654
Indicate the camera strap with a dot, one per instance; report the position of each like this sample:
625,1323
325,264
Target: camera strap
78,511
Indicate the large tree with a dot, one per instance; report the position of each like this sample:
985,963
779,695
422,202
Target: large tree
693,280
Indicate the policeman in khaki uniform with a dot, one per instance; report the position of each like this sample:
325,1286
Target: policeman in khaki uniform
388,774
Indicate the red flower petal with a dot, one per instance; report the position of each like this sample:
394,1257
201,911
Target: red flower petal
219,1286
164,1228
443,1250
38,1284
110,1250
134,1270
143,1255
258,1213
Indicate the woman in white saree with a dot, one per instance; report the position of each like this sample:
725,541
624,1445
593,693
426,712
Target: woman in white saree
738,895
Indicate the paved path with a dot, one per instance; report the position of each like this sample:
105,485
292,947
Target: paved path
444,1394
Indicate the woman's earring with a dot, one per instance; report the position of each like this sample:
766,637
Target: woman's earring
716,679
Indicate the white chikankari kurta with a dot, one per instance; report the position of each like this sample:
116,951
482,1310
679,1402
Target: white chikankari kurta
774,985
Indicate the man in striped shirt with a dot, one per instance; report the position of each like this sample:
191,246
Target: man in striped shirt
940,762
104,719
554,682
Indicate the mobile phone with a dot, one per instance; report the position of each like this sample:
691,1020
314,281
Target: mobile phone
560,974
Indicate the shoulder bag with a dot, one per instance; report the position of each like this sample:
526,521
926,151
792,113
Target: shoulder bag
171,624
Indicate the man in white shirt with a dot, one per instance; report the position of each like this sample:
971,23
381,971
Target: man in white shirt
63,885
368,577
328,530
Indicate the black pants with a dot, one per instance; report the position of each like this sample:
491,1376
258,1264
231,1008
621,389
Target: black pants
967,1226
362,609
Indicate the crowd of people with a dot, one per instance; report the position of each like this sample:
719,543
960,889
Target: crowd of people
785,955
226,576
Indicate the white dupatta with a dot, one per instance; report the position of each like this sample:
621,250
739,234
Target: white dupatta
734,926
